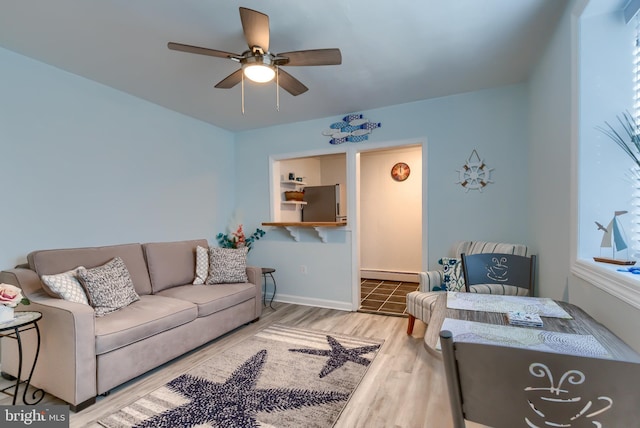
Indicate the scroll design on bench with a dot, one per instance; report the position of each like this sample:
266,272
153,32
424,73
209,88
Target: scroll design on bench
539,402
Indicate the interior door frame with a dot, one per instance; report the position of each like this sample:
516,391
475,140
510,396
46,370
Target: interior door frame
354,209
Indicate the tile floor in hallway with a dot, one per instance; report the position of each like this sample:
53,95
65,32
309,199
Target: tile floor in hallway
385,297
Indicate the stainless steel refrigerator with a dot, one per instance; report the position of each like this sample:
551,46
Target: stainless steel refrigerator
323,203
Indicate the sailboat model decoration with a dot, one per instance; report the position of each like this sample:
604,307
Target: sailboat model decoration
613,237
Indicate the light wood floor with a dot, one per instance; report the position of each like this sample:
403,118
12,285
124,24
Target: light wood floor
404,387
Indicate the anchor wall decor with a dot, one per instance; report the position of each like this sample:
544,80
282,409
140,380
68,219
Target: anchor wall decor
475,174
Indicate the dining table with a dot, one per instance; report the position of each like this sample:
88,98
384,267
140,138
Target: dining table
578,323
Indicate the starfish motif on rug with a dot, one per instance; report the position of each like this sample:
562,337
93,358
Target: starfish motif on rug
339,355
235,402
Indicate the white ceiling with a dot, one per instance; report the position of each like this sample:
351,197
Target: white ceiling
392,52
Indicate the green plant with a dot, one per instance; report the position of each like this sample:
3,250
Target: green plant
238,239
629,141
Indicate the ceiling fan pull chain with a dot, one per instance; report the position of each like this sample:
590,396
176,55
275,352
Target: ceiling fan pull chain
277,88
242,86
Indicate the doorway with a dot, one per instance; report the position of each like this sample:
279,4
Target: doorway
390,227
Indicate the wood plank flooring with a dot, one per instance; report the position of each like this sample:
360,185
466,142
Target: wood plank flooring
404,387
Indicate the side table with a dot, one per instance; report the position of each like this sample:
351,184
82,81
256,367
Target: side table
23,321
265,272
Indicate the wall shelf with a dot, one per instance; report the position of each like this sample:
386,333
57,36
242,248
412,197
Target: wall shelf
321,228
292,185
294,182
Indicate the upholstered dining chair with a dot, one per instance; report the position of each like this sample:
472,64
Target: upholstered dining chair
449,277
502,386
497,273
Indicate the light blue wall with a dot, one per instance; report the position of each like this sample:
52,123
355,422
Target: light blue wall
84,165
550,163
87,165
494,122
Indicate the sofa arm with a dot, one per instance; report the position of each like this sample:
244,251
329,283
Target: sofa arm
431,279
254,274
66,365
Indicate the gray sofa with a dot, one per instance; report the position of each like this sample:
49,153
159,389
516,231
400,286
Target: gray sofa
82,356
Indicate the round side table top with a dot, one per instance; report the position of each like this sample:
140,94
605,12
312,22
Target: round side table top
268,270
21,318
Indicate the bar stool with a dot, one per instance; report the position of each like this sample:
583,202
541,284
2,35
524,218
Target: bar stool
265,272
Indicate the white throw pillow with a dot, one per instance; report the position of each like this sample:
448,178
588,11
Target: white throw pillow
109,287
227,265
67,286
202,265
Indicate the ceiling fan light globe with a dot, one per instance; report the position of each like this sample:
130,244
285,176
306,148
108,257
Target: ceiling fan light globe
259,73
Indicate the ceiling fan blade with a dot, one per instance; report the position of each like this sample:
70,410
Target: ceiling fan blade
231,80
290,83
313,57
200,51
256,28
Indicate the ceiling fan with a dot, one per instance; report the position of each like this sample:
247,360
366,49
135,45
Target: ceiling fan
258,63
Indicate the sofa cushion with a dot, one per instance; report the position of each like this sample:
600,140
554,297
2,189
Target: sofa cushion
50,262
144,318
109,287
227,265
213,299
172,263
67,286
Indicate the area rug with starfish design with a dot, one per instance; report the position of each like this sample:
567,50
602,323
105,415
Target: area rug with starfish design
280,377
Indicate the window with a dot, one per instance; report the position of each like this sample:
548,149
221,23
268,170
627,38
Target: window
635,230
609,85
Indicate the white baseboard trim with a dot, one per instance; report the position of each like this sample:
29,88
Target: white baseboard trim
385,275
319,303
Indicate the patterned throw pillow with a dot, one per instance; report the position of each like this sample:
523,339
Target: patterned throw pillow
67,286
109,287
202,265
227,265
453,277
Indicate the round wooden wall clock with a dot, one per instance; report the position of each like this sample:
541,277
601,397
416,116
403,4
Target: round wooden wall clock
400,171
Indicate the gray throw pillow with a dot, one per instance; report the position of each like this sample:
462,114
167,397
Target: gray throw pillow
109,287
227,265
